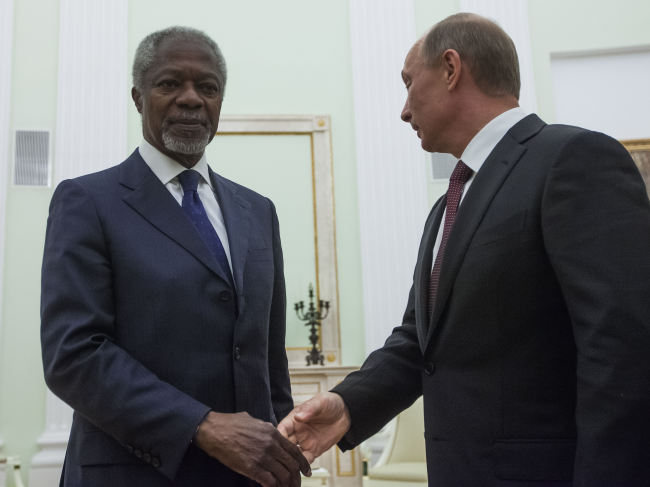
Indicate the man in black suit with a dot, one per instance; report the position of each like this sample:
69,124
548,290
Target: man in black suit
527,328
163,299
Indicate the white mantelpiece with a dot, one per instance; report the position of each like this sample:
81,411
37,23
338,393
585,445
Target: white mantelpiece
344,468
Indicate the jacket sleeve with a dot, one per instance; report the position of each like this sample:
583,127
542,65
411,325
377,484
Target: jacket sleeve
596,225
278,365
83,365
389,381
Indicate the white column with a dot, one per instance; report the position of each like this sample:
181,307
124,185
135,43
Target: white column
6,57
91,130
93,87
512,16
391,166
45,468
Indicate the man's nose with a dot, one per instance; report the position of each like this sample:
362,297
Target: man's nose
189,97
406,112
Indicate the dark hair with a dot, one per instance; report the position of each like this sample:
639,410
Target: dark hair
145,54
483,45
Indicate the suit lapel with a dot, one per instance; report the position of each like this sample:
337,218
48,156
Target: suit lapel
423,270
486,184
236,214
149,197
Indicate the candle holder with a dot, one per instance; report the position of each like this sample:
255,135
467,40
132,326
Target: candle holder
313,318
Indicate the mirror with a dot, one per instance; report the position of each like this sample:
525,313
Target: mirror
289,159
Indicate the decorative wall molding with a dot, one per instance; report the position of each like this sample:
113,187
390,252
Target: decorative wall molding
6,59
587,90
91,130
93,91
610,51
391,167
512,16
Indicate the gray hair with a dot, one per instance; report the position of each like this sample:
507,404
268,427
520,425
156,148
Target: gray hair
483,45
145,54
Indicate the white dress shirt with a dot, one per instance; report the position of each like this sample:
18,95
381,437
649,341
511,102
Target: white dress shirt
478,150
167,169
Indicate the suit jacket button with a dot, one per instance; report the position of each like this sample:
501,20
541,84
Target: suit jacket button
237,353
155,462
138,453
225,296
429,368
146,457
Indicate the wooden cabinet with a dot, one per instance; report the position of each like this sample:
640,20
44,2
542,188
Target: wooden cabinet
344,468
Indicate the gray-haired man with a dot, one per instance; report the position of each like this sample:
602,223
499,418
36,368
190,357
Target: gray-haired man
163,299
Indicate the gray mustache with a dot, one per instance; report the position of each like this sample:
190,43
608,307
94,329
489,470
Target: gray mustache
186,117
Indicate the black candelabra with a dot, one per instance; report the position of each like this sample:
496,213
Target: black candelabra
313,318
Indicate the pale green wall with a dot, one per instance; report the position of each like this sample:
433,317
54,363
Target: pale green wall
33,105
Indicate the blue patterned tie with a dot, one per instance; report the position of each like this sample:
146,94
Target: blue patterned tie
192,205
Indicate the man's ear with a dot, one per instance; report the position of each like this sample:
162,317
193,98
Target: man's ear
137,99
452,68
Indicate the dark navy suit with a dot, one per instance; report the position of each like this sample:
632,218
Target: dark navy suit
534,366
142,334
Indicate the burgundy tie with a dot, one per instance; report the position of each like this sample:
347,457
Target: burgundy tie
457,182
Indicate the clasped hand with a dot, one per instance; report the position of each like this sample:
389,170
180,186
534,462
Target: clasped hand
253,448
317,424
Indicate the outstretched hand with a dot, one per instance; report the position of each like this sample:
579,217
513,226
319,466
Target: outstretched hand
253,448
317,424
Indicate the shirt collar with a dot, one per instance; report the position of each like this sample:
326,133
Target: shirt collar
479,148
165,168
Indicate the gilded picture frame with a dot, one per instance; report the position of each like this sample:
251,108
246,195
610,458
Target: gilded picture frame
639,149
